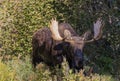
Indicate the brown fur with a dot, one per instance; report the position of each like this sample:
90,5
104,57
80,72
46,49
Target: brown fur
50,51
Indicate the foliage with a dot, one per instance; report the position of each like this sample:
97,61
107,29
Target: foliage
6,74
19,19
18,69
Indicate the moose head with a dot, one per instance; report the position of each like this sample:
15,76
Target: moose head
76,42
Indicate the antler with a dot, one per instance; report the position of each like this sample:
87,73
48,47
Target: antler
98,26
54,30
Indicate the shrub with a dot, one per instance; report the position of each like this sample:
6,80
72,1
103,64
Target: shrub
21,70
6,73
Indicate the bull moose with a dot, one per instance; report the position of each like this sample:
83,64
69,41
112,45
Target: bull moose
50,45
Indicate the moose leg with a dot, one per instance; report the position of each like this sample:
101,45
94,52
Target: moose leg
71,65
36,58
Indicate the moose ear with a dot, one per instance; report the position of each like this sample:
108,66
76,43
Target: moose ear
86,35
67,34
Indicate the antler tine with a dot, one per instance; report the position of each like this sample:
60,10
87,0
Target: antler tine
54,29
98,26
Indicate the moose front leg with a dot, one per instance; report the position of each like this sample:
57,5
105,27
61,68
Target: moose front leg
71,65
36,59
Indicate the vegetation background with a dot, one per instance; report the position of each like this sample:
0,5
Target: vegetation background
19,19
